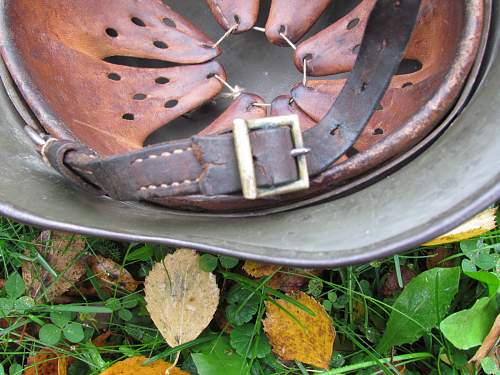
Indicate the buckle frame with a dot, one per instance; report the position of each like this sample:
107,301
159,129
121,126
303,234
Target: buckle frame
241,134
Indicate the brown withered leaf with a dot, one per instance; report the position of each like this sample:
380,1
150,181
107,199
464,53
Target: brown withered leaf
111,274
61,251
309,342
46,362
291,280
285,279
181,298
133,366
258,270
102,338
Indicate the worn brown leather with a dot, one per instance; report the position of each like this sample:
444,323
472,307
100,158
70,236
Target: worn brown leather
228,13
334,49
76,94
207,164
202,171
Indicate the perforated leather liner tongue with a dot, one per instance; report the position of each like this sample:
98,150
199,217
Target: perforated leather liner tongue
111,108
230,12
293,18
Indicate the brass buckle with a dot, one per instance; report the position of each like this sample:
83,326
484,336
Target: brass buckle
241,131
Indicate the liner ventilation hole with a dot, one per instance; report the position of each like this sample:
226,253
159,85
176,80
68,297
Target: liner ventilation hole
140,96
378,131
352,24
169,22
171,103
162,80
128,117
407,84
112,32
409,66
114,77
137,21
159,44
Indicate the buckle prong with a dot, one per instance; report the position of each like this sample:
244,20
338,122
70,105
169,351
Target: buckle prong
241,132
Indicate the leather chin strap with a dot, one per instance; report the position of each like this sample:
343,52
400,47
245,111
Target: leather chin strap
208,165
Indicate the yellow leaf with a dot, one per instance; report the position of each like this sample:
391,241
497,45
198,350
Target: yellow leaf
479,224
309,342
133,366
60,250
181,298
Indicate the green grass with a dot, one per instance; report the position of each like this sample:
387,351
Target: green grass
357,298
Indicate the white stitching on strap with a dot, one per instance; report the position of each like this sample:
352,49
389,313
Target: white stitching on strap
165,154
166,186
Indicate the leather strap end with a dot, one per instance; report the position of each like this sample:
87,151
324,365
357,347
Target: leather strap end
55,152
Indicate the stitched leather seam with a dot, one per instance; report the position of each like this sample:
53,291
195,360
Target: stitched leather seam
166,186
165,154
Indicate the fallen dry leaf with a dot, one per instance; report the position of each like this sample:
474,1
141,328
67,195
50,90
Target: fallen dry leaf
309,342
111,274
46,362
479,224
60,250
291,280
285,279
133,366
181,298
102,338
258,270
488,344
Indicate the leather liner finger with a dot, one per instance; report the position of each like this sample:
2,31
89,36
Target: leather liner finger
244,13
293,18
146,29
335,49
